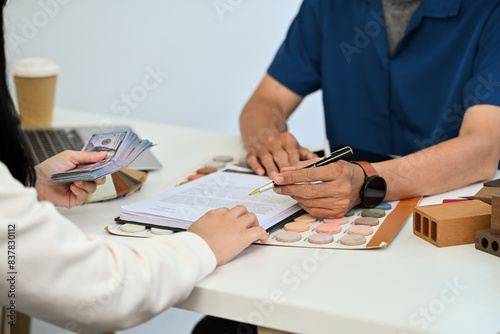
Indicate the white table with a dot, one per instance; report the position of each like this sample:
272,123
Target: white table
409,287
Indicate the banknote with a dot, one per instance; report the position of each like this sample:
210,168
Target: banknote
122,146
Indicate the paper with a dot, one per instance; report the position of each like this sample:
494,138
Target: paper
183,205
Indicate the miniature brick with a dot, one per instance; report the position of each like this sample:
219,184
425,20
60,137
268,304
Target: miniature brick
486,193
495,214
488,242
451,224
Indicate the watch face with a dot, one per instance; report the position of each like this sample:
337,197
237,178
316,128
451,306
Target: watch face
374,192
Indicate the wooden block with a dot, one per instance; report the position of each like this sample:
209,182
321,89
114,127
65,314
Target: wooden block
451,224
495,214
486,193
265,330
488,242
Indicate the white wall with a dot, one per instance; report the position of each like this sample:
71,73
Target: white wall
209,56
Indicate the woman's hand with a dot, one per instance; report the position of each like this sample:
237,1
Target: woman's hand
228,232
66,194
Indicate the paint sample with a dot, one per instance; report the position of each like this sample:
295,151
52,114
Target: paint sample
288,236
352,240
368,221
350,213
132,228
206,170
329,228
223,158
161,231
384,206
320,238
360,230
340,221
376,213
297,227
306,218
215,164
195,176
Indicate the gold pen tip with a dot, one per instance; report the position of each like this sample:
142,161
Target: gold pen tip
255,192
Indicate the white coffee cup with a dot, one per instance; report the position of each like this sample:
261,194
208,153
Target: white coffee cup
35,80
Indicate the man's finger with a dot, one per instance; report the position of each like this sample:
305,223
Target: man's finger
267,161
324,213
254,164
280,156
291,148
323,173
306,154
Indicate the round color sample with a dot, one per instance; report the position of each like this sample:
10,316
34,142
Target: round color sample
215,164
306,218
360,230
223,158
329,228
288,236
161,231
368,221
340,221
195,176
320,238
350,213
296,227
352,240
132,228
377,213
384,206
206,170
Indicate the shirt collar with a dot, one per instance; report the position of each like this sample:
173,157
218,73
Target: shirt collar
436,8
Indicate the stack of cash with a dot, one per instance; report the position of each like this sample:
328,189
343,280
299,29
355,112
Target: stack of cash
123,148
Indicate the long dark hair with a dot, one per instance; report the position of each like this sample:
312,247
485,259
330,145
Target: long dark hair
12,148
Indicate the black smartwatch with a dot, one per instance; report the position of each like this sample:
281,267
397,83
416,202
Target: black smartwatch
374,188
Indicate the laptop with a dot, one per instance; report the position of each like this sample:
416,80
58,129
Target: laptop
44,143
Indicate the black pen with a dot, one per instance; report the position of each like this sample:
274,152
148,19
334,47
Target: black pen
327,159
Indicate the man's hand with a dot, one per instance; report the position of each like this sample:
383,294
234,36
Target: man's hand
228,232
66,194
275,153
327,192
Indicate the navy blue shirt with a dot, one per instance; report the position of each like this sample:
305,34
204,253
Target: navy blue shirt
448,61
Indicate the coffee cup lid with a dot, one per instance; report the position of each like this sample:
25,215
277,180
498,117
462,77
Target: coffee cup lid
35,68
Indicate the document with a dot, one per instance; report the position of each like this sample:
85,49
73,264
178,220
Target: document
181,206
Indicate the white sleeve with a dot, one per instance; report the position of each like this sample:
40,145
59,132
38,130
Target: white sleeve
87,284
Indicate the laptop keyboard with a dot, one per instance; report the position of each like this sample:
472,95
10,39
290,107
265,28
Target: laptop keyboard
45,143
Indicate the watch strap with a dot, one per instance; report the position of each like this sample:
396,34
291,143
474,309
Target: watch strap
367,168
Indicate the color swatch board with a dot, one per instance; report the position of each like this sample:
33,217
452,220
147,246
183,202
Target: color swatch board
352,232
344,233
